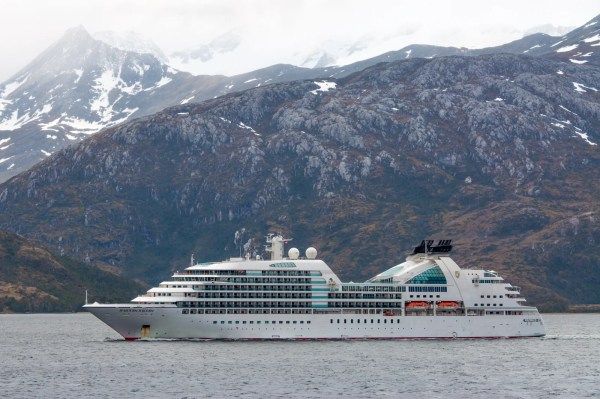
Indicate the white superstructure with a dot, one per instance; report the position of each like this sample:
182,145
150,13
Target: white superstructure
427,296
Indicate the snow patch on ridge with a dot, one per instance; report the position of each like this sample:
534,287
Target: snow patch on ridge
186,100
324,86
163,81
50,125
595,38
3,104
531,48
585,137
11,87
13,122
568,110
79,73
81,126
244,126
106,83
567,48
581,88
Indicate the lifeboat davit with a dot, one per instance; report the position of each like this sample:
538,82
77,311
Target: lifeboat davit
417,305
448,305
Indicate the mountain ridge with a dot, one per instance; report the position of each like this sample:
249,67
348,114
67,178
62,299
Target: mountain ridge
34,128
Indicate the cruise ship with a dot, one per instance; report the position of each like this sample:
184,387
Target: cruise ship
293,297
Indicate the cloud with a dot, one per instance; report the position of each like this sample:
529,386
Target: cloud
549,29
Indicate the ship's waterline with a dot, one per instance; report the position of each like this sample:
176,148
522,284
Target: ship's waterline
427,296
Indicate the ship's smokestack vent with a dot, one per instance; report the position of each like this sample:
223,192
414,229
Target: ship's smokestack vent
428,247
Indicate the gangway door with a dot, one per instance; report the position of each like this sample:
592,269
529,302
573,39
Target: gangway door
145,332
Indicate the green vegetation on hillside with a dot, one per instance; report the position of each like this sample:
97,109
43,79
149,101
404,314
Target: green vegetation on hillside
32,279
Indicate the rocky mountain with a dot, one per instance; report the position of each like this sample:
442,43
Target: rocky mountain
33,279
73,89
496,151
580,46
84,83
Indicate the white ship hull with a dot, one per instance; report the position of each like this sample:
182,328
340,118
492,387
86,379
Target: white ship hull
135,322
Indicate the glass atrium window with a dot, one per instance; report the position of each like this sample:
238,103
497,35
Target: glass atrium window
433,275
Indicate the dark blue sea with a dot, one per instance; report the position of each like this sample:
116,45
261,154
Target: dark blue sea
77,356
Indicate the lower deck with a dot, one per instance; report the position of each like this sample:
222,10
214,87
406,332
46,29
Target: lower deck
172,322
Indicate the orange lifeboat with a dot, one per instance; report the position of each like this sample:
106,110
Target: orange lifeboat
417,305
448,305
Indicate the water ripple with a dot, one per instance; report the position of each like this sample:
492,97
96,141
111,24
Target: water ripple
75,355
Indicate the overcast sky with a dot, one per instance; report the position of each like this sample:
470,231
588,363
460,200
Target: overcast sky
276,28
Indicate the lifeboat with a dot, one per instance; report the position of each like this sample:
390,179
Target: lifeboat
448,305
417,305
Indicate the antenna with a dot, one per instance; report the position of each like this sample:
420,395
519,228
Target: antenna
86,297
192,260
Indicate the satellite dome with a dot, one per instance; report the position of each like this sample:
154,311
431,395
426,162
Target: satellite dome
293,253
311,253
